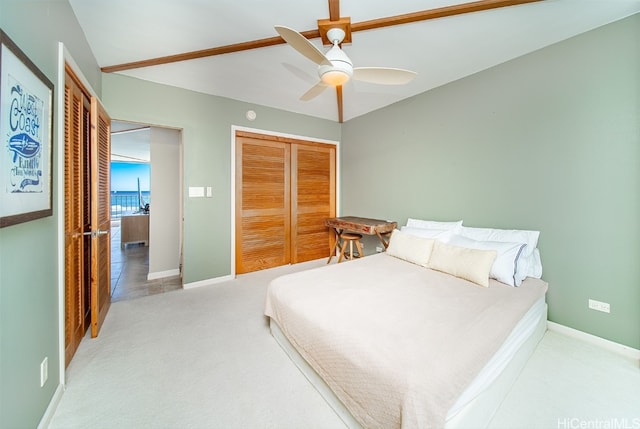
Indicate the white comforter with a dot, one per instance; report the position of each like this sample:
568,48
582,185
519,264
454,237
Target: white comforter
396,342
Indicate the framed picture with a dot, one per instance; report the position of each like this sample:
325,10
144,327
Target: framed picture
26,144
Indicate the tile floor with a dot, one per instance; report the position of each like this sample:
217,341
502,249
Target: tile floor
129,269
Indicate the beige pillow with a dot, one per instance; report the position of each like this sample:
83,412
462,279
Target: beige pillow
416,250
469,264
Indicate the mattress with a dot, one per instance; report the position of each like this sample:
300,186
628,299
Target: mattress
528,327
480,402
400,345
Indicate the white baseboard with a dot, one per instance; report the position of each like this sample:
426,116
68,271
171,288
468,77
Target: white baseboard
207,282
598,341
45,421
163,274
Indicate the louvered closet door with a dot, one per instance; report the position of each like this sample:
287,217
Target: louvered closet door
100,215
73,219
285,189
313,177
262,204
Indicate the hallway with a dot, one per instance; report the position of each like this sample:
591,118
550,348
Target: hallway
129,270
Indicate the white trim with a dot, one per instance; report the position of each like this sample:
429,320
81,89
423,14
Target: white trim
60,118
618,348
163,274
45,421
208,282
235,128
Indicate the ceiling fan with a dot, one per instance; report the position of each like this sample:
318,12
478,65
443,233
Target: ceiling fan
334,67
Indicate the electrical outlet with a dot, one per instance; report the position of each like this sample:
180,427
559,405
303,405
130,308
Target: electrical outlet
599,306
379,249
44,371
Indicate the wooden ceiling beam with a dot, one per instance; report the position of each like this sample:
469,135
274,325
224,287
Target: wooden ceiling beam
312,34
340,110
220,50
334,10
440,12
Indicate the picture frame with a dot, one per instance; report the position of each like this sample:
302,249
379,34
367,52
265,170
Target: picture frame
26,137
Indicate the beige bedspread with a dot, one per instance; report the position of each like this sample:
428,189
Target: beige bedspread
396,342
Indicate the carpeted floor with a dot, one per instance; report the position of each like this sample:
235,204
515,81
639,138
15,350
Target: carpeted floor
204,358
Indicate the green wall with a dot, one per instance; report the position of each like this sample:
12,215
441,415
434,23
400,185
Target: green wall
28,252
207,123
29,329
549,141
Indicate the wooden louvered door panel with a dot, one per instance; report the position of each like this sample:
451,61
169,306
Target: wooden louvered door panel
313,185
75,292
262,204
100,216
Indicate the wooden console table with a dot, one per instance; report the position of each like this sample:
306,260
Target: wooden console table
134,229
360,225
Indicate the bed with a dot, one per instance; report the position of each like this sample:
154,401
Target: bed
392,343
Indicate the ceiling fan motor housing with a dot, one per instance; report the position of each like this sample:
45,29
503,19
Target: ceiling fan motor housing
340,70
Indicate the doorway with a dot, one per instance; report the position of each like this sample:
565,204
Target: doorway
146,204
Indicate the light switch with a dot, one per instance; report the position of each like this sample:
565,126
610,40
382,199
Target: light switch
196,191
209,192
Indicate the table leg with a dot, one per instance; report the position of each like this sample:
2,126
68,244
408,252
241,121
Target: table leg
384,242
336,244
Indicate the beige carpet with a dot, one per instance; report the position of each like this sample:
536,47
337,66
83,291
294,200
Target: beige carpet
204,358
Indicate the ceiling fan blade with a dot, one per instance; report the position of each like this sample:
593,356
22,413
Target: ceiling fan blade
314,91
302,45
383,75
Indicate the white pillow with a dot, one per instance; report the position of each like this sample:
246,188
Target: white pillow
504,235
469,264
416,250
535,265
510,266
432,224
437,234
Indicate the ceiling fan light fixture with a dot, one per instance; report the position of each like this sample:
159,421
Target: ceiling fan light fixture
335,77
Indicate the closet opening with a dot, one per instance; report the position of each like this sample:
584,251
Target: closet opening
285,189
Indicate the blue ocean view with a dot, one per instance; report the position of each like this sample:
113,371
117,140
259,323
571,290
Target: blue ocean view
145,194
124,202
127,183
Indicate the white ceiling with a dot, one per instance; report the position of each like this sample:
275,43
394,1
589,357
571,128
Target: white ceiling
130,142
440,50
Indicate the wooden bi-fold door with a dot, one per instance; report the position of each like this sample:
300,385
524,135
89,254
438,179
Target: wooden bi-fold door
100,215
285,189
87,214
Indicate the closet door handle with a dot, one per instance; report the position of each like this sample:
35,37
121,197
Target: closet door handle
94,234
